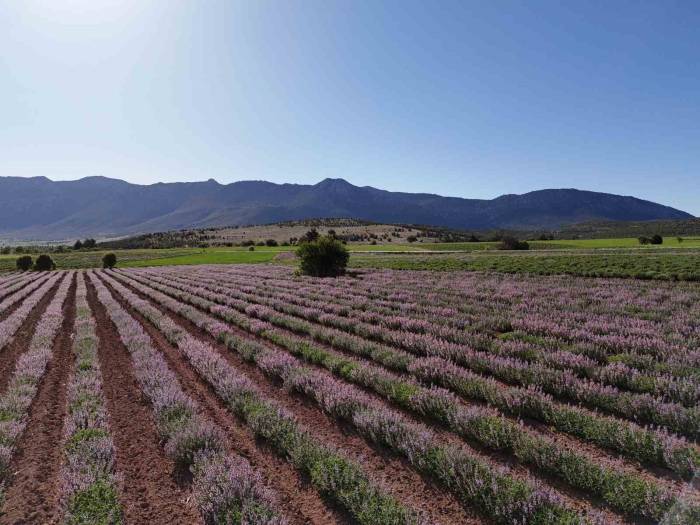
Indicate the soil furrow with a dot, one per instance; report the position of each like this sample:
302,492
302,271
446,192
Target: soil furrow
7,312
4,294
150,492
20,342
393,473
32,496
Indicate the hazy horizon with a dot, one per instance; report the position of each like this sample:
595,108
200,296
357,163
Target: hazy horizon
465,99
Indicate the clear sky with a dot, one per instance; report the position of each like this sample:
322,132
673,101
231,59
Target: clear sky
466,98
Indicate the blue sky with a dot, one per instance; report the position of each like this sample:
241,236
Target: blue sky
471,99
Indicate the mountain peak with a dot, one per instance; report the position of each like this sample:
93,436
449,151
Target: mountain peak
330,182
101,207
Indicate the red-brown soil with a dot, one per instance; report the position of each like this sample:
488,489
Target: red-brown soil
33,492
151,492
20,342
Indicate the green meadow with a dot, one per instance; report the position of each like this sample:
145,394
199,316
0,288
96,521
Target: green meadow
620,257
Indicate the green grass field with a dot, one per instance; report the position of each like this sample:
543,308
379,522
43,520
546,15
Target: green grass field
93,259
174,256
208,256
623,242
590,257
641,264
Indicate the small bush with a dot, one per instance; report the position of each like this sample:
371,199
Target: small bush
411,238
270,242
326,257
251,248
109,260
44,263
656,239
24,263
511,243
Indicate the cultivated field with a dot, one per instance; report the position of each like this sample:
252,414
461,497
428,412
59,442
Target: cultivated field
640,263
588,257
245,394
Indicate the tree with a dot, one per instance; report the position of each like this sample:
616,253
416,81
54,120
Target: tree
679,239
89,243
6,250
78,245
270,242
411,238
24,263
44,263
109,260
324,257
644,240
511,243
309,236
656,239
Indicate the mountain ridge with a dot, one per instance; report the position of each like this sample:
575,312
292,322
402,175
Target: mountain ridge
38,208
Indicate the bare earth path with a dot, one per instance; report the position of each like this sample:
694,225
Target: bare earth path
150,492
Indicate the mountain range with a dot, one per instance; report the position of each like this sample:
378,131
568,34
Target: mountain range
41,209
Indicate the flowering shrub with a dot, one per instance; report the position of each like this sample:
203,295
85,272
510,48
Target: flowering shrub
645,445
30,368
88,479
191,440
646,360
344,401
331,472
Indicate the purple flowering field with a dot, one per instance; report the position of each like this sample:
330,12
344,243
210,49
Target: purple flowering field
247,394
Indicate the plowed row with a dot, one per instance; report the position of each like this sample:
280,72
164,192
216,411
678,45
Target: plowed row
246,394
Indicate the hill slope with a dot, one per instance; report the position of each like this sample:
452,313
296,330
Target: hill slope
41,209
